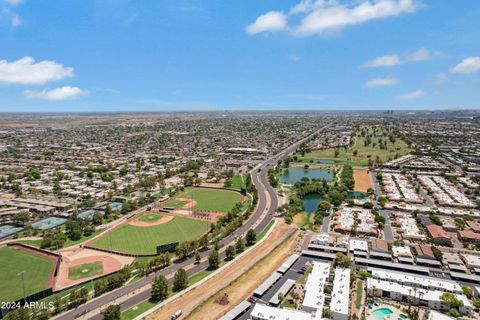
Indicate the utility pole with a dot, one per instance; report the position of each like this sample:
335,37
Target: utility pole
21,274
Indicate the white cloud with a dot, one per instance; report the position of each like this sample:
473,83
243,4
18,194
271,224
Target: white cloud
383,61
7,12
324,16
421,54
268,22
63,93
381,82
467,65
16,21
27,71
412,95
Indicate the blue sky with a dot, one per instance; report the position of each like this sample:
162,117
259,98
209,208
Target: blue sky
118,55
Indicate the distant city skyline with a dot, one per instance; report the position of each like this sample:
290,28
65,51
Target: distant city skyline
120,55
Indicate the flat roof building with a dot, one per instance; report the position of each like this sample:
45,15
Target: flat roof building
340,294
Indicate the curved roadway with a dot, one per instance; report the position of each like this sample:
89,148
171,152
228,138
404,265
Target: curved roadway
266,207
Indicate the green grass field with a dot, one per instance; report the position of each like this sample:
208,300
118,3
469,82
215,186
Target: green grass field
173,203
212,199
151,217
144,240
85,270
68,243
395,150
238,182
13,261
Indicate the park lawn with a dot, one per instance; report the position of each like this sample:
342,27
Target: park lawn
150,217
238,182
398,149
358,301
85,270
68,243
144,240
37,270
212,199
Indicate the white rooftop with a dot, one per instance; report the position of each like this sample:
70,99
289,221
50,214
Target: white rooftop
422,281
341,291
262,311
314,296
360,245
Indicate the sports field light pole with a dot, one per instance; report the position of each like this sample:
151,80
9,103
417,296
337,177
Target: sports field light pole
21,274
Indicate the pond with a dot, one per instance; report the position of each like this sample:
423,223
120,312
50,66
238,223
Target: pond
311,202
323,161
292,175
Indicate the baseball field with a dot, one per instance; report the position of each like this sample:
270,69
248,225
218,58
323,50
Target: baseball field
36,275
143,240
85,270
207,199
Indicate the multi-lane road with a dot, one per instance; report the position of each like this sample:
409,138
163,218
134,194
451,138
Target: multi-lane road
140,290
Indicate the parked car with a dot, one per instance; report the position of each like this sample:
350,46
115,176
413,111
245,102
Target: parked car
176,315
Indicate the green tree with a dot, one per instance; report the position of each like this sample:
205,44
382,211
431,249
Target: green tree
230,252
437,253
180,280
213,260
451,300
342,260
112,312
197,257
467,291
97,218
251,237
159,289
240,245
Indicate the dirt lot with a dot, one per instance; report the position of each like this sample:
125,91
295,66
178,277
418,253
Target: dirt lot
240,276
362,179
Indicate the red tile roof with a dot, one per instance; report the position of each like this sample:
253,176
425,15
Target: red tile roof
436,231
469,235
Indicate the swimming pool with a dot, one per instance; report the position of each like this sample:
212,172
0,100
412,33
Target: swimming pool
380,314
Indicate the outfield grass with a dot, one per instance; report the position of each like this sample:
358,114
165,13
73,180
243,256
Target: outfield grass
238,182
212,199
13,261
144,240
85,270
174,203
150,217
397,149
